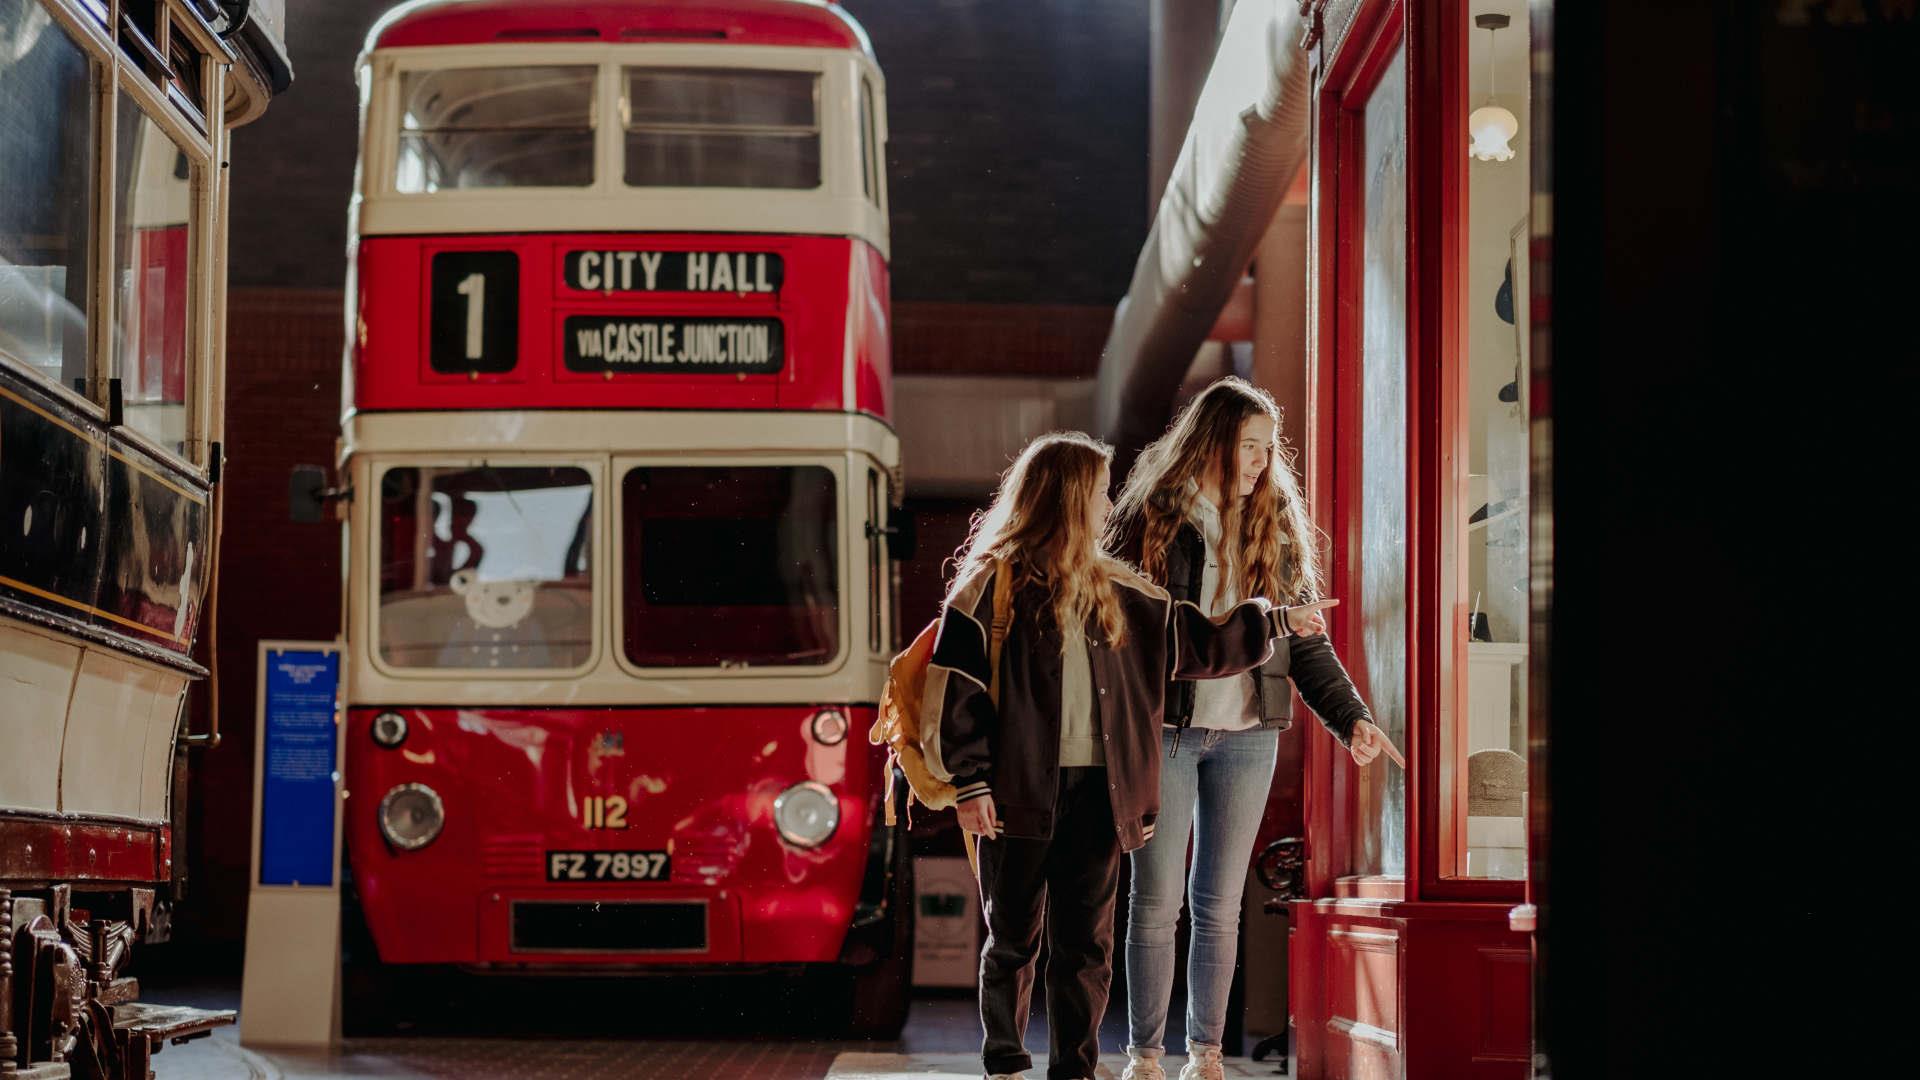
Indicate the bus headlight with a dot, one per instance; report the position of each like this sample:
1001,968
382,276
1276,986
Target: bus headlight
806,814
411,816
829,727
389,729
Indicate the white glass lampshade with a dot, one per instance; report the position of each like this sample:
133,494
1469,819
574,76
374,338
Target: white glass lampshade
1492,127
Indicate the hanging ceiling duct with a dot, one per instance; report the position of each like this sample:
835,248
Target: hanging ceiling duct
1247,140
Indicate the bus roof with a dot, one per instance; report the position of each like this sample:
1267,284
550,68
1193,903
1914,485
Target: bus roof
809,23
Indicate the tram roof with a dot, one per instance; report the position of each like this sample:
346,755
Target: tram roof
807,23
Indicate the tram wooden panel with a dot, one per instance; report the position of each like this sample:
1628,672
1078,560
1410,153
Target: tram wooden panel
119,706
38,674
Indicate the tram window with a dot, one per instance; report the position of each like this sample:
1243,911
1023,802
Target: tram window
495,128
691,127
730,566
152,276
486,568
47,118
184,71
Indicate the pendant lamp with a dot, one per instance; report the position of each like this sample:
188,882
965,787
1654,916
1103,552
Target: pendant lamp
1492,126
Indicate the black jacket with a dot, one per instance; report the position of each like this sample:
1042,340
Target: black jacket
1309,662
1012,752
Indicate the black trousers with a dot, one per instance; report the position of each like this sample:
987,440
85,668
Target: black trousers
1066,884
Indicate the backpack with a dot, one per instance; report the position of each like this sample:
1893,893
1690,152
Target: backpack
898,724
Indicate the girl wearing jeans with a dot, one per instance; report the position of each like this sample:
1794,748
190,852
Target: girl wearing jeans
1211,513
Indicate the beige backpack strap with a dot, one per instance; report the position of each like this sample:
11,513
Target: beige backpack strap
1002,619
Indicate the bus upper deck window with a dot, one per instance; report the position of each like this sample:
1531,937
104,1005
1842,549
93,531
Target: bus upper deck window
689,127
495,128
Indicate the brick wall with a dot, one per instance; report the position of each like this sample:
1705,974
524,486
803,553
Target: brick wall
277,579
945,338
1018,154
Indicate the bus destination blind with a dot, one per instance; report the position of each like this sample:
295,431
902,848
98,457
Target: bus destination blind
673,345
675,271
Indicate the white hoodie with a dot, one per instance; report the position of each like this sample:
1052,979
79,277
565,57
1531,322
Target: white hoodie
1225,704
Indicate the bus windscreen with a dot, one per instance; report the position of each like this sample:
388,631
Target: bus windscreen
730,566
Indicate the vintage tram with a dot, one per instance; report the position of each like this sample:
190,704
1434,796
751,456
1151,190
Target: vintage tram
115,124
621,495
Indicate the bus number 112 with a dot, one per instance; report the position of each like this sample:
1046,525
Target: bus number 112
604,812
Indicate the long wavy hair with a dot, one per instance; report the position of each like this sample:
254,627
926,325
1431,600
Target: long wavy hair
1037,523
1271,546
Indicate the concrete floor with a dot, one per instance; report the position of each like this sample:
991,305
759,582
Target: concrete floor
755,1028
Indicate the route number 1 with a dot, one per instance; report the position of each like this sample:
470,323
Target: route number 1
474,312
474,288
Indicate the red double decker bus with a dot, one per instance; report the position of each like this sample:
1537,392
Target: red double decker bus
622,523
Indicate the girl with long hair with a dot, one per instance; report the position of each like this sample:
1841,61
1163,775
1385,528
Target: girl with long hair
1054,750
1211,513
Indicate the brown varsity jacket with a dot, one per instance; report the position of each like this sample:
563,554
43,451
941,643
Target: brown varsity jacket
1012,752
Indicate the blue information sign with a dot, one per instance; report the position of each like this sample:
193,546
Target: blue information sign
298,767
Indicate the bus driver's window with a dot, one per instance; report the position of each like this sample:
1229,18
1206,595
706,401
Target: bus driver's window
486,568
734,566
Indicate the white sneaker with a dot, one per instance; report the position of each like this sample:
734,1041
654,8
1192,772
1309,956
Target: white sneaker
1203,1063
1143,1063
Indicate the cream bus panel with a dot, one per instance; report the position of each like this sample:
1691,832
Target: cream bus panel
608,445
37,674
842,205
119,705
472,431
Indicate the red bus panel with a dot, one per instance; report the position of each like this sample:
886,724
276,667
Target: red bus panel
744,22
523,789
504,322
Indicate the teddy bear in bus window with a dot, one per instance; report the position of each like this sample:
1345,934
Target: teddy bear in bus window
498,605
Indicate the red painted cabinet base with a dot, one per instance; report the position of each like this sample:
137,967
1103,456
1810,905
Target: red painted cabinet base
1387,989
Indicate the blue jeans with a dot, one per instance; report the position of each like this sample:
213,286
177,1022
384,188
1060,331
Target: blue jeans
1216,789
